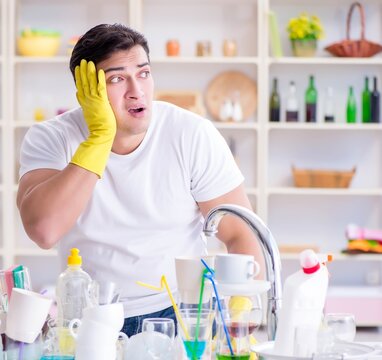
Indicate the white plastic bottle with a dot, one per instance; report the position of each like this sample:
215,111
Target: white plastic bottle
73,290
302,308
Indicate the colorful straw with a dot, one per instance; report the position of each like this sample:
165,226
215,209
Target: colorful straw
205,271
164,285
210,275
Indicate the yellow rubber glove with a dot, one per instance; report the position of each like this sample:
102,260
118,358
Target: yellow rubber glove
94,152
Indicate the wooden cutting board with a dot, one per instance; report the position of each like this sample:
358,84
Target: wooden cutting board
224,86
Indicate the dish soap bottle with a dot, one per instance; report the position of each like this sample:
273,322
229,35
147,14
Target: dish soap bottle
303,304
74,292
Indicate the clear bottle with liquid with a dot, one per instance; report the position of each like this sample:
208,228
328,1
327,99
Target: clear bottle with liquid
74,290
292,104
329,105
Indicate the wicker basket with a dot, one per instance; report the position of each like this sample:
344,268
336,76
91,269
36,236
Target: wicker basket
322,178
354,48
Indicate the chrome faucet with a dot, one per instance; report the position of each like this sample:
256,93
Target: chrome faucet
268,247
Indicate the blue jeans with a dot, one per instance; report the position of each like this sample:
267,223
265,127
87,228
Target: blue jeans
133,325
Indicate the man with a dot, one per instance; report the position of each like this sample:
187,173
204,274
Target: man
125,179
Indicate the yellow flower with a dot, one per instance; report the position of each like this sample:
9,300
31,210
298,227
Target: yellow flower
305,27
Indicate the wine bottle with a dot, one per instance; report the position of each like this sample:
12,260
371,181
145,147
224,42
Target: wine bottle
351,107
274,103
329,105
292,103
374,100
311,101
366,102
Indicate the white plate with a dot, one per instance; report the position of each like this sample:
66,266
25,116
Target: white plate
347,350
253,287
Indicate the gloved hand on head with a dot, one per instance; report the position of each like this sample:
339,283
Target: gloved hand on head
93,153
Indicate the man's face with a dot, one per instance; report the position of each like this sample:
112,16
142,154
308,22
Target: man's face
130,89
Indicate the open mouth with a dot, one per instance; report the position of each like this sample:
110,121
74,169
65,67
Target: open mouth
136,110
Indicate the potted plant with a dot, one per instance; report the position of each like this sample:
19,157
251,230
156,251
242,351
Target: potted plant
304,31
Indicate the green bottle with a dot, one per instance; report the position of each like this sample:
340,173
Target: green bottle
274,103
366,102
311,101
351,108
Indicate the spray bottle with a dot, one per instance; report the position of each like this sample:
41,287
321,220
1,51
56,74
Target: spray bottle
303,304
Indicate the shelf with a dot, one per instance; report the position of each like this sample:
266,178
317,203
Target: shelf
324,61
324,126
236,126
205,60
35,252
338,257
324,191
39,60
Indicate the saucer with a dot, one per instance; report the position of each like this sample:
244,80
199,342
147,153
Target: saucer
253,287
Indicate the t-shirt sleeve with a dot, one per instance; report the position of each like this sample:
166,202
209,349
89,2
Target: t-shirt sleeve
42,148
214,171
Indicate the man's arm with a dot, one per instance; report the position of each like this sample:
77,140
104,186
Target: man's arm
232,231
50,201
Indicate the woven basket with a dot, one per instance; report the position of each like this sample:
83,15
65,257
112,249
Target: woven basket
354,48
322,178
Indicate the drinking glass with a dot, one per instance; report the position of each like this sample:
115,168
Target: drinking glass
158,337
197,332
342,324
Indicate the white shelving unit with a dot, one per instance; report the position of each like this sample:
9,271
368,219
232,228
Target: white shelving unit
265,151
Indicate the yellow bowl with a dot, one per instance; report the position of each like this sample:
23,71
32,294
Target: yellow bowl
38,45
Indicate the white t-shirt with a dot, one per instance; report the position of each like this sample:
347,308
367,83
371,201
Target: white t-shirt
143,211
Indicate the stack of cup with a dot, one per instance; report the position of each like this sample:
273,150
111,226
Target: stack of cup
97,333
189,271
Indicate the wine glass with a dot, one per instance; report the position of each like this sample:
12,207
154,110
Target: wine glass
343,325
158,337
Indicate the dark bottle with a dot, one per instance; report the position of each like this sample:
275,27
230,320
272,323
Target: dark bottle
366,102
274,103
351,107
292,103
375,104
311,101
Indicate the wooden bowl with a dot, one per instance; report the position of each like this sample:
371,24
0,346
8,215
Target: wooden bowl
224,86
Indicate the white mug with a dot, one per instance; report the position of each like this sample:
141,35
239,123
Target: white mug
109,314
93,334
235,268
189,271
27,313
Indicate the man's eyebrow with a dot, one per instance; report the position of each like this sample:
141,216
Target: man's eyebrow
120,68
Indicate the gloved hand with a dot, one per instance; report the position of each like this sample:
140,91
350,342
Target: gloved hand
93,153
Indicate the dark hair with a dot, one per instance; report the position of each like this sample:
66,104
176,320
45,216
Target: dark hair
101,41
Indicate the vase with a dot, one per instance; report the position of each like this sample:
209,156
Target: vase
304,47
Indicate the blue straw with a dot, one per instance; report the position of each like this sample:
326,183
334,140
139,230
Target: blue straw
210,277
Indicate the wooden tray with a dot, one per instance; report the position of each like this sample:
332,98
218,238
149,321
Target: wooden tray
322,178
224,86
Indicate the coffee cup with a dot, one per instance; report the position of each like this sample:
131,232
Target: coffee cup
27,313
92,333
189,271
235,268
